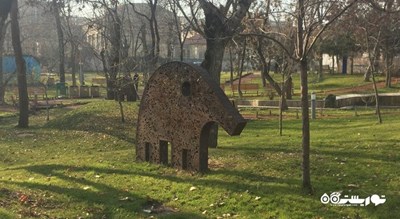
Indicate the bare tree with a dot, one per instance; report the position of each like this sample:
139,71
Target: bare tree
73,39
259,21
219,26
154,52
56,9
390,36
23,121
109,24
308,29
372,44
182,29
4,11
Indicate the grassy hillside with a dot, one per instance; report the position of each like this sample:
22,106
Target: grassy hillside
81,165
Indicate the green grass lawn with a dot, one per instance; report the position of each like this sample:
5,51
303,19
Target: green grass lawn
327,83
81,164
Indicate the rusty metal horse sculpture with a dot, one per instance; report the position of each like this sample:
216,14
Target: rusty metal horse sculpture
179,105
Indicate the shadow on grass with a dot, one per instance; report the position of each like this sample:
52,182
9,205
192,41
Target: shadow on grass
5,216
259,150
248,180
8,120
325,151
94,193
108,196
93,121
357,154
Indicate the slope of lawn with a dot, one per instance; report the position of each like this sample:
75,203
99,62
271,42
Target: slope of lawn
81,164
329,84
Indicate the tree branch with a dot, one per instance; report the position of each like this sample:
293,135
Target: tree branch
139,13
280,44
327,25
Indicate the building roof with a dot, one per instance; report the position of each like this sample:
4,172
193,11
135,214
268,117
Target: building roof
196,39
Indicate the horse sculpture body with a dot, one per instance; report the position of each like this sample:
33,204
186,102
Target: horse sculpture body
179,105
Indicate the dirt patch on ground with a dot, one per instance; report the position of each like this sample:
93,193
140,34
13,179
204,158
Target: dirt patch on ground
360,88
155,207
247,79
43,105
7,108
30,205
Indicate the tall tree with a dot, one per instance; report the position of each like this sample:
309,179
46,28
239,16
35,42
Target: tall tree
56,7
153,54
107,21
23,121
308,29
4,11
182,29
262,20
219,26
307,34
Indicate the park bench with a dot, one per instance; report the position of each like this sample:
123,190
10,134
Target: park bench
268,90
245,88
33,94
99,80
38,91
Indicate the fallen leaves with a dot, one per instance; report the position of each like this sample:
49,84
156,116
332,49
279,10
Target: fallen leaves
23,199
192,188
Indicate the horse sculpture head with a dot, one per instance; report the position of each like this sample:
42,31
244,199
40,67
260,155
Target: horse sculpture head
179,105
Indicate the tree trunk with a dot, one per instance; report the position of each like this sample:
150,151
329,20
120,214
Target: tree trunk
263,80
121,109
333,64
23,121
2,85
213,58
351,65
388,63
114,56
3,28
181,44
218,32
73,63
243,57
337,63
240,84
281,106
213,64
302,59
377,106
231,66
367,75
344,65
110,82
320,67
288,87
306,125
265,69
61,47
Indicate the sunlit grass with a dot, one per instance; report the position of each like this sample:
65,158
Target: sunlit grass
81,164
329,83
